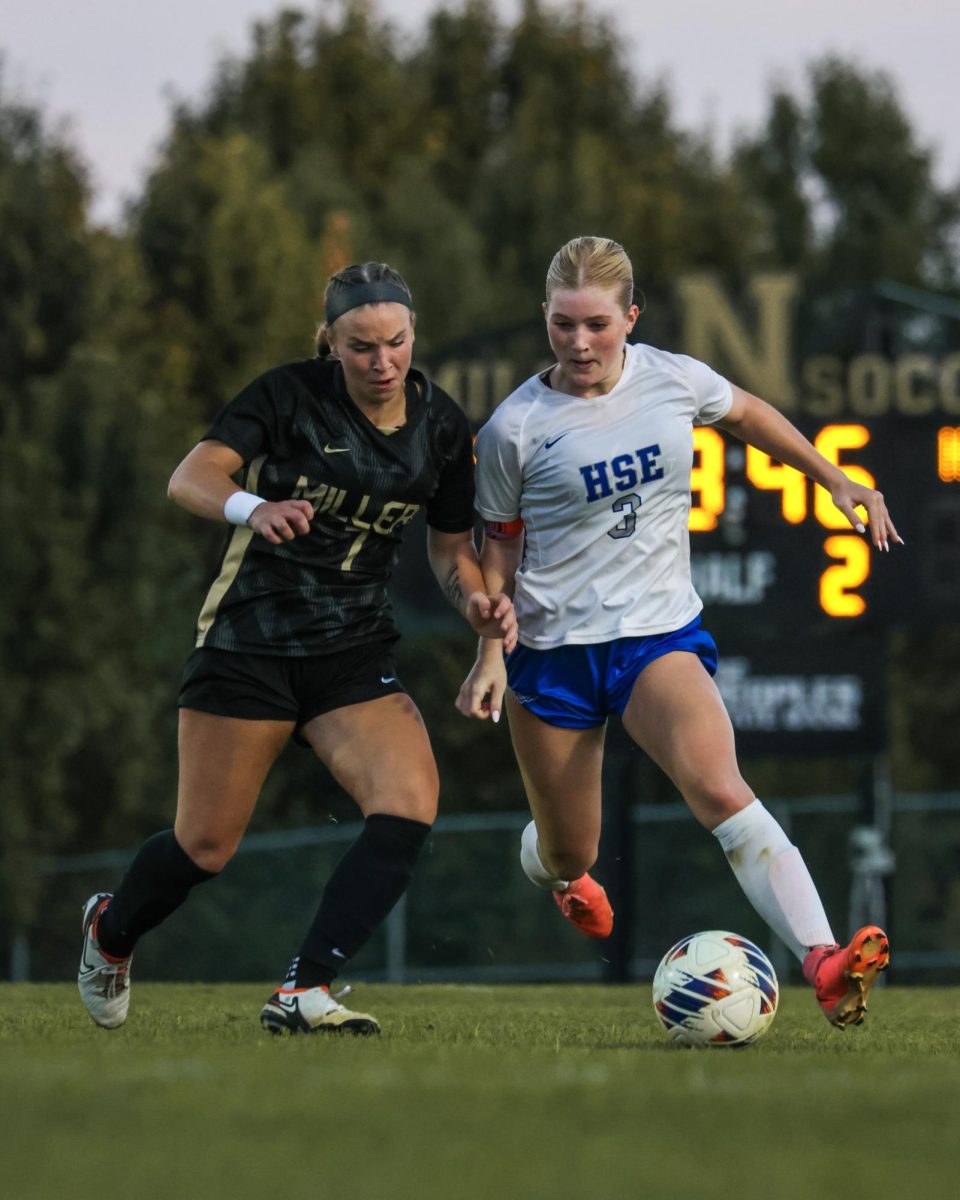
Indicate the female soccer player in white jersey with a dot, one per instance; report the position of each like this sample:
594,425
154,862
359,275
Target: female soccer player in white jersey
583,482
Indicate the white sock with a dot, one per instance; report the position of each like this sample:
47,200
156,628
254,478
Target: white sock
774,878
533,866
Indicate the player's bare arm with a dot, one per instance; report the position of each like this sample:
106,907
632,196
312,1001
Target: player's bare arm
456,564
501,552
759,424
203,483
481,693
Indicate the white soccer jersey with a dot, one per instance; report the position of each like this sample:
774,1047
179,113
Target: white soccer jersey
603,488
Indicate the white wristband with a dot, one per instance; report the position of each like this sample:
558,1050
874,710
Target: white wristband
240,505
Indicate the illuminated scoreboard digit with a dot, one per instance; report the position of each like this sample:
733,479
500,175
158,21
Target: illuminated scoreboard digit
757,521
707,479
948,454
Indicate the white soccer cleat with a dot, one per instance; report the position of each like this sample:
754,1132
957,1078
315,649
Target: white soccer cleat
104,982
313,1010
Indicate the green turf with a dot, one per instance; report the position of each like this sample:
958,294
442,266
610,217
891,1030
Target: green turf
512,1093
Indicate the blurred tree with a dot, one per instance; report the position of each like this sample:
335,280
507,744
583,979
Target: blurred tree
487,145
442,253
45,281
848,195
881,200
349,180
234,277
774,168
583,147
45,268
87,414
464,99
306,83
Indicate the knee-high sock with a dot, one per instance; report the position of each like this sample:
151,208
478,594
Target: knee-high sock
774,878
157,882
365,885
532,863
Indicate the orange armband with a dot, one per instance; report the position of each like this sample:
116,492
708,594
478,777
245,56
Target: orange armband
503,531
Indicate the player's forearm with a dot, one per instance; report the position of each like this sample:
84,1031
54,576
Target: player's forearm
456,566
201,490
203,481
499,561
761,425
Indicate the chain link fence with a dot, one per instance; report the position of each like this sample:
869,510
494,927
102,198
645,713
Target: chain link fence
472,916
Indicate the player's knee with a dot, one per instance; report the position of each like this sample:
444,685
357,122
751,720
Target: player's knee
209,853
415,797
414,794
716,800
569,862
418,807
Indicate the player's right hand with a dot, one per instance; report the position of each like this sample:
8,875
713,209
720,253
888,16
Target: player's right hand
281,521
493,617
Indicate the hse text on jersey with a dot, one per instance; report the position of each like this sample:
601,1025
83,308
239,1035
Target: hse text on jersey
622,473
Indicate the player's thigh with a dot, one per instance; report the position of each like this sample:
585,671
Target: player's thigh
676,715
561,770
223,764
379,752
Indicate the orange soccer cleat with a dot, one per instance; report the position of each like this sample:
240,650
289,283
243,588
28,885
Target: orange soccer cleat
585,904
843,976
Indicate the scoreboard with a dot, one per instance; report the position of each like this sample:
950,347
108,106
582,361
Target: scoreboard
759,527
799,602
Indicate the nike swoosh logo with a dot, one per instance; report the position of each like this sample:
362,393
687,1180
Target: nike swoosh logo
89,968
385,679
548,445
328,449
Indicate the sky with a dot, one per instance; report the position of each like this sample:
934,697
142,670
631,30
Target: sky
110,68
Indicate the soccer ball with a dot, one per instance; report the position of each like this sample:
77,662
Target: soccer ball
715,989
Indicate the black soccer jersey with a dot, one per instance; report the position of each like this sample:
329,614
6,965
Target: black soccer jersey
302,437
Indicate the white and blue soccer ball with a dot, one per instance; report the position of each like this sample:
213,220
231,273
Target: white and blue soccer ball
715,989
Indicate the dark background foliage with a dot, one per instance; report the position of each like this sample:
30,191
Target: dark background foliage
465,156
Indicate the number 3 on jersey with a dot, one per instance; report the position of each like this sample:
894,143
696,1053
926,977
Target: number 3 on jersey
627,505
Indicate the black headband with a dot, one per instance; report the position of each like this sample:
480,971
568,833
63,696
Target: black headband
365,293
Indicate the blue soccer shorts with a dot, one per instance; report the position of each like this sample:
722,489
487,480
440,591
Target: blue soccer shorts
578,687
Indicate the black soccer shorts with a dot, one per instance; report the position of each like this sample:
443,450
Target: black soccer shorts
272,687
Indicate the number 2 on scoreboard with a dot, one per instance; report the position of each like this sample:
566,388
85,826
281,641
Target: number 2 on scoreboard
837,595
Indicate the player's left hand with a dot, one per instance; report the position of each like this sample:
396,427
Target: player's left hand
481,693
493,617
849,496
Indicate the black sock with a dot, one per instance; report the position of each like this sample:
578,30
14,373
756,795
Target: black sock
156,883
365,885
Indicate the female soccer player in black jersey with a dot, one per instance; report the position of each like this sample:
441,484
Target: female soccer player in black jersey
336,454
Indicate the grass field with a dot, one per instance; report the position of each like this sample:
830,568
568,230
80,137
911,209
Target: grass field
513,1093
